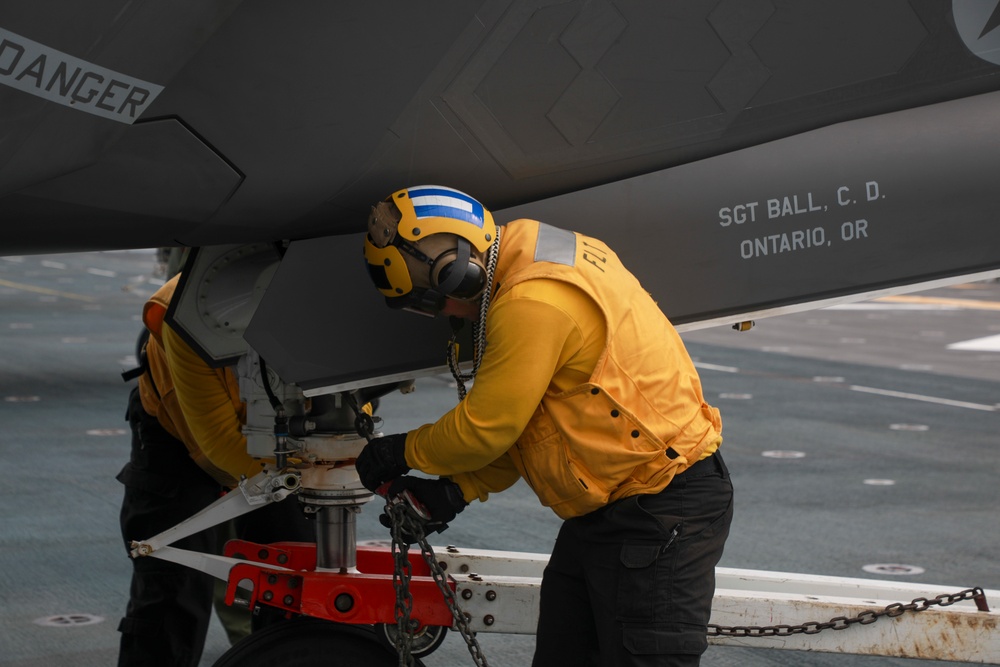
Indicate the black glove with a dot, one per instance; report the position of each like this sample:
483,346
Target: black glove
382,460
442,499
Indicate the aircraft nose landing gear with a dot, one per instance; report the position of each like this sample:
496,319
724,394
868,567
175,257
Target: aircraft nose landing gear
333,594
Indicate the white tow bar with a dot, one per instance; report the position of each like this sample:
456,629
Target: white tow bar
499,590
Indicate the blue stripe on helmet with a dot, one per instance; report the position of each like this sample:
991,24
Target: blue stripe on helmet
460,210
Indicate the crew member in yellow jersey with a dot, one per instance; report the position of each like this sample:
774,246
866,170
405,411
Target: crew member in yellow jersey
187,449
582,388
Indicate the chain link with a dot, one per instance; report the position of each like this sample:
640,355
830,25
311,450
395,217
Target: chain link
843,622
401,574
478,327
405,520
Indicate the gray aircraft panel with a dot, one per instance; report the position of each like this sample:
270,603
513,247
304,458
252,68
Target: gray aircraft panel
308,111
321,322
862,206
875,203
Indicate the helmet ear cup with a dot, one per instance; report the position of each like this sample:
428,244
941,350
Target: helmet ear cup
462,280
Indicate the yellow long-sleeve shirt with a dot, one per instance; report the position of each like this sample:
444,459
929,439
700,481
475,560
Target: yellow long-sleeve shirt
470,442
197,404
584,388
207,402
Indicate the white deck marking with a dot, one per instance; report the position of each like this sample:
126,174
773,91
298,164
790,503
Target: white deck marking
925,399
985,344
715,367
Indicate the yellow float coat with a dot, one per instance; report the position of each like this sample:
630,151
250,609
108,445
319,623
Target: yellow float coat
585,389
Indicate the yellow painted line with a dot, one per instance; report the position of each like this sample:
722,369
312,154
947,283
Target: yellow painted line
972,304
46,291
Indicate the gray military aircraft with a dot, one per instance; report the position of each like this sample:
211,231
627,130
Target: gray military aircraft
740,156
745,158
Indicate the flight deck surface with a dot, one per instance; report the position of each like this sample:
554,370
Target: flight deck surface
860,436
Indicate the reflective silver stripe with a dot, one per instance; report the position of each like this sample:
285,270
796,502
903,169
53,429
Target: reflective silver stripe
555,245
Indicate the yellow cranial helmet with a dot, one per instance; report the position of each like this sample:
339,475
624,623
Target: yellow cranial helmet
441,229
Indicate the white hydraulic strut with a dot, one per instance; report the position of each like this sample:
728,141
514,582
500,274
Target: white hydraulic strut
217,566
261,489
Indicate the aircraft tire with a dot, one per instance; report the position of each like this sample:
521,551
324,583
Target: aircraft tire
310,642
425,641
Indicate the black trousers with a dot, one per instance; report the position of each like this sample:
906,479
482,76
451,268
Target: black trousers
631,584
170,605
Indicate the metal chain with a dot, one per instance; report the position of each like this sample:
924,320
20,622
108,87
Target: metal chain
405,520
401,574
842,622
478,327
